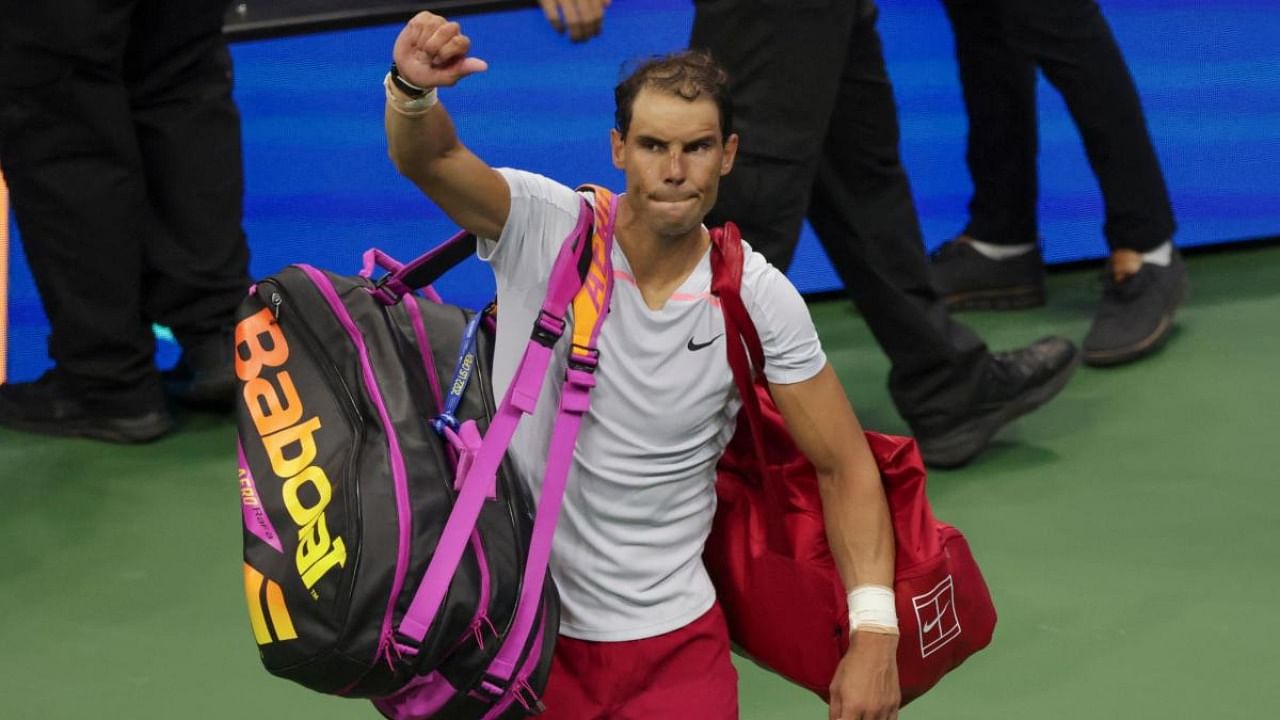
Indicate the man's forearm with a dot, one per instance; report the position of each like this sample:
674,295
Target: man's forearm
856,515
858,527
431,52
419,143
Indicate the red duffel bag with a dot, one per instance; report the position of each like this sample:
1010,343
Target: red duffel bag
768,554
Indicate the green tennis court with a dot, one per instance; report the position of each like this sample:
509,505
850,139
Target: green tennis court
1128,532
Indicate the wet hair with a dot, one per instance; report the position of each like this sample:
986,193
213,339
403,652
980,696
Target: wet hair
687,74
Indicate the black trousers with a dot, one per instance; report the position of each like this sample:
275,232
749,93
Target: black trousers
999,46
819,139
120,143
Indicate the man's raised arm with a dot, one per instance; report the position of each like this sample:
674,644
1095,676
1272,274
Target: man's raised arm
430,53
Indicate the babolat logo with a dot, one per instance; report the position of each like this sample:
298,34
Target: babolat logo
290,442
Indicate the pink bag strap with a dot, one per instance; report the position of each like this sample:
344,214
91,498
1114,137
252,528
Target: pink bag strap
576,255
592,301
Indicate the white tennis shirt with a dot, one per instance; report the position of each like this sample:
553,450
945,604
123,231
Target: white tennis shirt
640,497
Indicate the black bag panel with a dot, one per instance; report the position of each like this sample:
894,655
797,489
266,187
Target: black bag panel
465,662
430,472
494,525
327,673
513,513
428,477
312,507
443,327
469,705
399,367
330,377
506,525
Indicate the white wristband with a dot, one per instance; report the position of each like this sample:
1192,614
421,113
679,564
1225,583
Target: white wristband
409,107
871,609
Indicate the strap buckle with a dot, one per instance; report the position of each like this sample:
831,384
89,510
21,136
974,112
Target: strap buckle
548,329
584,358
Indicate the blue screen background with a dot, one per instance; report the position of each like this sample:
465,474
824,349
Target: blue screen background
320,189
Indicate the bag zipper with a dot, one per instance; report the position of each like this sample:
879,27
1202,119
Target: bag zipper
277,299
386,640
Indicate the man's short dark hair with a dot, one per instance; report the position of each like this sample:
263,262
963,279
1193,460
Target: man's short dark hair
688,74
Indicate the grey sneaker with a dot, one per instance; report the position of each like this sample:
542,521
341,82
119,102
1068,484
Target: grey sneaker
1135,316
968,280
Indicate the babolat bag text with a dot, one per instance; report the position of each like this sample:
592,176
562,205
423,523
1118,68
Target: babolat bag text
390,550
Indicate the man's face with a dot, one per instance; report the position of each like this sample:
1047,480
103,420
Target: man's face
673,157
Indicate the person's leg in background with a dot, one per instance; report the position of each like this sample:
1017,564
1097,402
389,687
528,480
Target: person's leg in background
950,390
782,100
953,393
995,263
1072,43
188,128
1076,50
74,168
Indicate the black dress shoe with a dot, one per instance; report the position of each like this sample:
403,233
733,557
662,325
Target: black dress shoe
204,377
968,280
1017,382
49,406
1135,316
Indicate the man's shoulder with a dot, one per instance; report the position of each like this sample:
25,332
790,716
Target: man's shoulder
525,183
761,276
529,185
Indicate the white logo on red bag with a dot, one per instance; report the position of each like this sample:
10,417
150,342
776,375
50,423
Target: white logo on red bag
936,615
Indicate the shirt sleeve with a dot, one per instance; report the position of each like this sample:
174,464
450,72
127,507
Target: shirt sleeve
792,351
542,214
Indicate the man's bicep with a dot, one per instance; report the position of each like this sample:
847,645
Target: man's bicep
793,352
820,418
541,214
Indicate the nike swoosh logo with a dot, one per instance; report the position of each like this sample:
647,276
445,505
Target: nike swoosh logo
929,626
695,346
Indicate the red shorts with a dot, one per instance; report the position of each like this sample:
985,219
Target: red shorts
684,674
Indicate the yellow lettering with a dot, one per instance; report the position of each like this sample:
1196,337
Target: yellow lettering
247,492
303,514
313,543
337,556
302,435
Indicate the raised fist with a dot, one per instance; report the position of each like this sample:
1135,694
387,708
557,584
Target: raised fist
432,52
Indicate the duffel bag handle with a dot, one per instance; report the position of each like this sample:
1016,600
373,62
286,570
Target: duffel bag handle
418,274
374,258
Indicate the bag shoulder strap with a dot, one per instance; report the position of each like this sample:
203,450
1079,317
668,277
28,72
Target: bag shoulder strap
579,253
591,303
418,274
743,346
590,307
